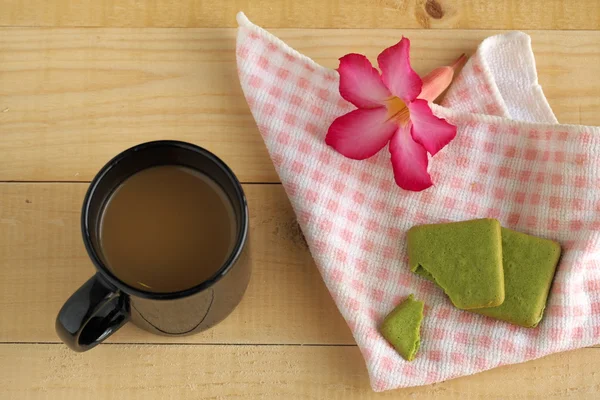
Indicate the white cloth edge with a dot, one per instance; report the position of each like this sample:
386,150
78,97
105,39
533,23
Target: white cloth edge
244,22
509,62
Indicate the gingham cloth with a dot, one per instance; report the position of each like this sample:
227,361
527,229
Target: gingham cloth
515,164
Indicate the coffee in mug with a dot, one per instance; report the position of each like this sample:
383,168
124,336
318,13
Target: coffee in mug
166,229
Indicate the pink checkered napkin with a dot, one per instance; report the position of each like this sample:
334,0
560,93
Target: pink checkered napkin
515,165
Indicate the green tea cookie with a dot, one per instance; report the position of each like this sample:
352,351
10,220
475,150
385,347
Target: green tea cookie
529,266
401,327
463,258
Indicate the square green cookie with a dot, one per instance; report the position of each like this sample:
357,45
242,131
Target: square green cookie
463,258
529,266
401,328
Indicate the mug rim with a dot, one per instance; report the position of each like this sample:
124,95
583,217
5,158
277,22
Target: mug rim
207,283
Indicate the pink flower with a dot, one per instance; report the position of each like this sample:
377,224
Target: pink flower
392,107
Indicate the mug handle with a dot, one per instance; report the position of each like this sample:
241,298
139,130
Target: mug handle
93,313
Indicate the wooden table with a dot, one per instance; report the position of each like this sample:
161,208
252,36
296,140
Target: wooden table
82,80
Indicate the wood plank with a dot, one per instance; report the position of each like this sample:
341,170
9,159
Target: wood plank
70,99
42,261
463,14
265,372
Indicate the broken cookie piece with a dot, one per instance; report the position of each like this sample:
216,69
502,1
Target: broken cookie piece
402,326
463,258
529,267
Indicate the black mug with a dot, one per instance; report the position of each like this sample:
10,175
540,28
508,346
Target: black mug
105,303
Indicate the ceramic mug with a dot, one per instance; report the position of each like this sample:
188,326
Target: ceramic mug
105,303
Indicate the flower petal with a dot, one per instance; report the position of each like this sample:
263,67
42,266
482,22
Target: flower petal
360,83
396,72
361,133
435,82
431,132
409,160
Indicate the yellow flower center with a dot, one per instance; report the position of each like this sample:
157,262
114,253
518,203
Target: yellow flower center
397,111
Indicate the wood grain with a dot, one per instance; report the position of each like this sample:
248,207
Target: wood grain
463,14
272,372
70,99
43,261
